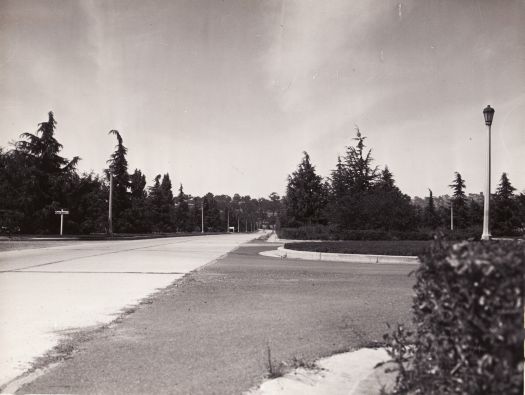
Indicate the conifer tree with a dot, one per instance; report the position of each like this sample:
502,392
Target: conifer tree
305,195
360,173
431,218
459,200
47,176
167,208
182,214
505,218
118,167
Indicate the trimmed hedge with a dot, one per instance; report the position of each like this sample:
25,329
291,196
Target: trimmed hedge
468,320
375,247
330,232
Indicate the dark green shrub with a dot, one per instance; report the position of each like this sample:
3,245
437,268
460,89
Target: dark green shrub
468,321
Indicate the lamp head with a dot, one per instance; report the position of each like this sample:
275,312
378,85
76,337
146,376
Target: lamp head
488,113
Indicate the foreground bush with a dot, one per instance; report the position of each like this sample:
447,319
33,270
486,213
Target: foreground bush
468,322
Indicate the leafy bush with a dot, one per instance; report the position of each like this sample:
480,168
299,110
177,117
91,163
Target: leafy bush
468,322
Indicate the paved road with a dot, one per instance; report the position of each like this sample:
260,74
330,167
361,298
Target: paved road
47,292
209,332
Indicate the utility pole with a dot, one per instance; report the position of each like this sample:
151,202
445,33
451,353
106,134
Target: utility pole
238,224
110,220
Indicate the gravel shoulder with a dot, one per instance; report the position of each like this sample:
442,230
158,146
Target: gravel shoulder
210,331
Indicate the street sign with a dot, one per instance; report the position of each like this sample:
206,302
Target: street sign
61,212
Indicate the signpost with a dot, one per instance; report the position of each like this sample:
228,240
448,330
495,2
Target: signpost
61,212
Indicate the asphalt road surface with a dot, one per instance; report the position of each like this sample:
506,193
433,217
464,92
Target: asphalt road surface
46,293
209,333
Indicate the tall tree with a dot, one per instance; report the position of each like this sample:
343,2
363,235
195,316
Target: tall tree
182,213
385,207
431,217
167,208
136,217
118,168
506,214
459,200
305,194
48,176
358,163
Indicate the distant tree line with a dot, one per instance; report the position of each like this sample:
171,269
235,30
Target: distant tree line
360,196
35,180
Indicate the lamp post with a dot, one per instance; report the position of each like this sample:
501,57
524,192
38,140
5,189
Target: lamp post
488,113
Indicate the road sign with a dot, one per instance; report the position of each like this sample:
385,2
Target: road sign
61,212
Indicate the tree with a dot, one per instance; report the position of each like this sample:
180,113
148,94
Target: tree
118,168
506,212
305,194
212,215
44,149
360,175
182,212
47,175
431,218
385,207
160,205
459,200
167,209
136,217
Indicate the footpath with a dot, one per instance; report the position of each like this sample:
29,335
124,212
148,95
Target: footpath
230,325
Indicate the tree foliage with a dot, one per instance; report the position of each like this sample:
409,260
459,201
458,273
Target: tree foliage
305,194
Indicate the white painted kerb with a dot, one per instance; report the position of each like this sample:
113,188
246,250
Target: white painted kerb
357,258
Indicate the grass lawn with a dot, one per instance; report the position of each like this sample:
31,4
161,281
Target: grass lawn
373,247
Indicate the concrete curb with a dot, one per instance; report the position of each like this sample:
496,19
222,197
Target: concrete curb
356,258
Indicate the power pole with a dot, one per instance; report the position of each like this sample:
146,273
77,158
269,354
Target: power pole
110,214
238,224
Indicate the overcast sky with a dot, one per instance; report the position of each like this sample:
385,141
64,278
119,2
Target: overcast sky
225,95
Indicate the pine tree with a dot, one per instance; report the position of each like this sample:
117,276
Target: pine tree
338,181
506,214
182,214
459,200
167,208
136,216
458,186
360,173
44,149
305,194
154,204
118,167
47,176
431,218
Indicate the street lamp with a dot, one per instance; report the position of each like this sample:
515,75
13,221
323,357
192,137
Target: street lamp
488,113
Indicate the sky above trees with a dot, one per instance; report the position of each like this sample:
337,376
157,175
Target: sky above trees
226,95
